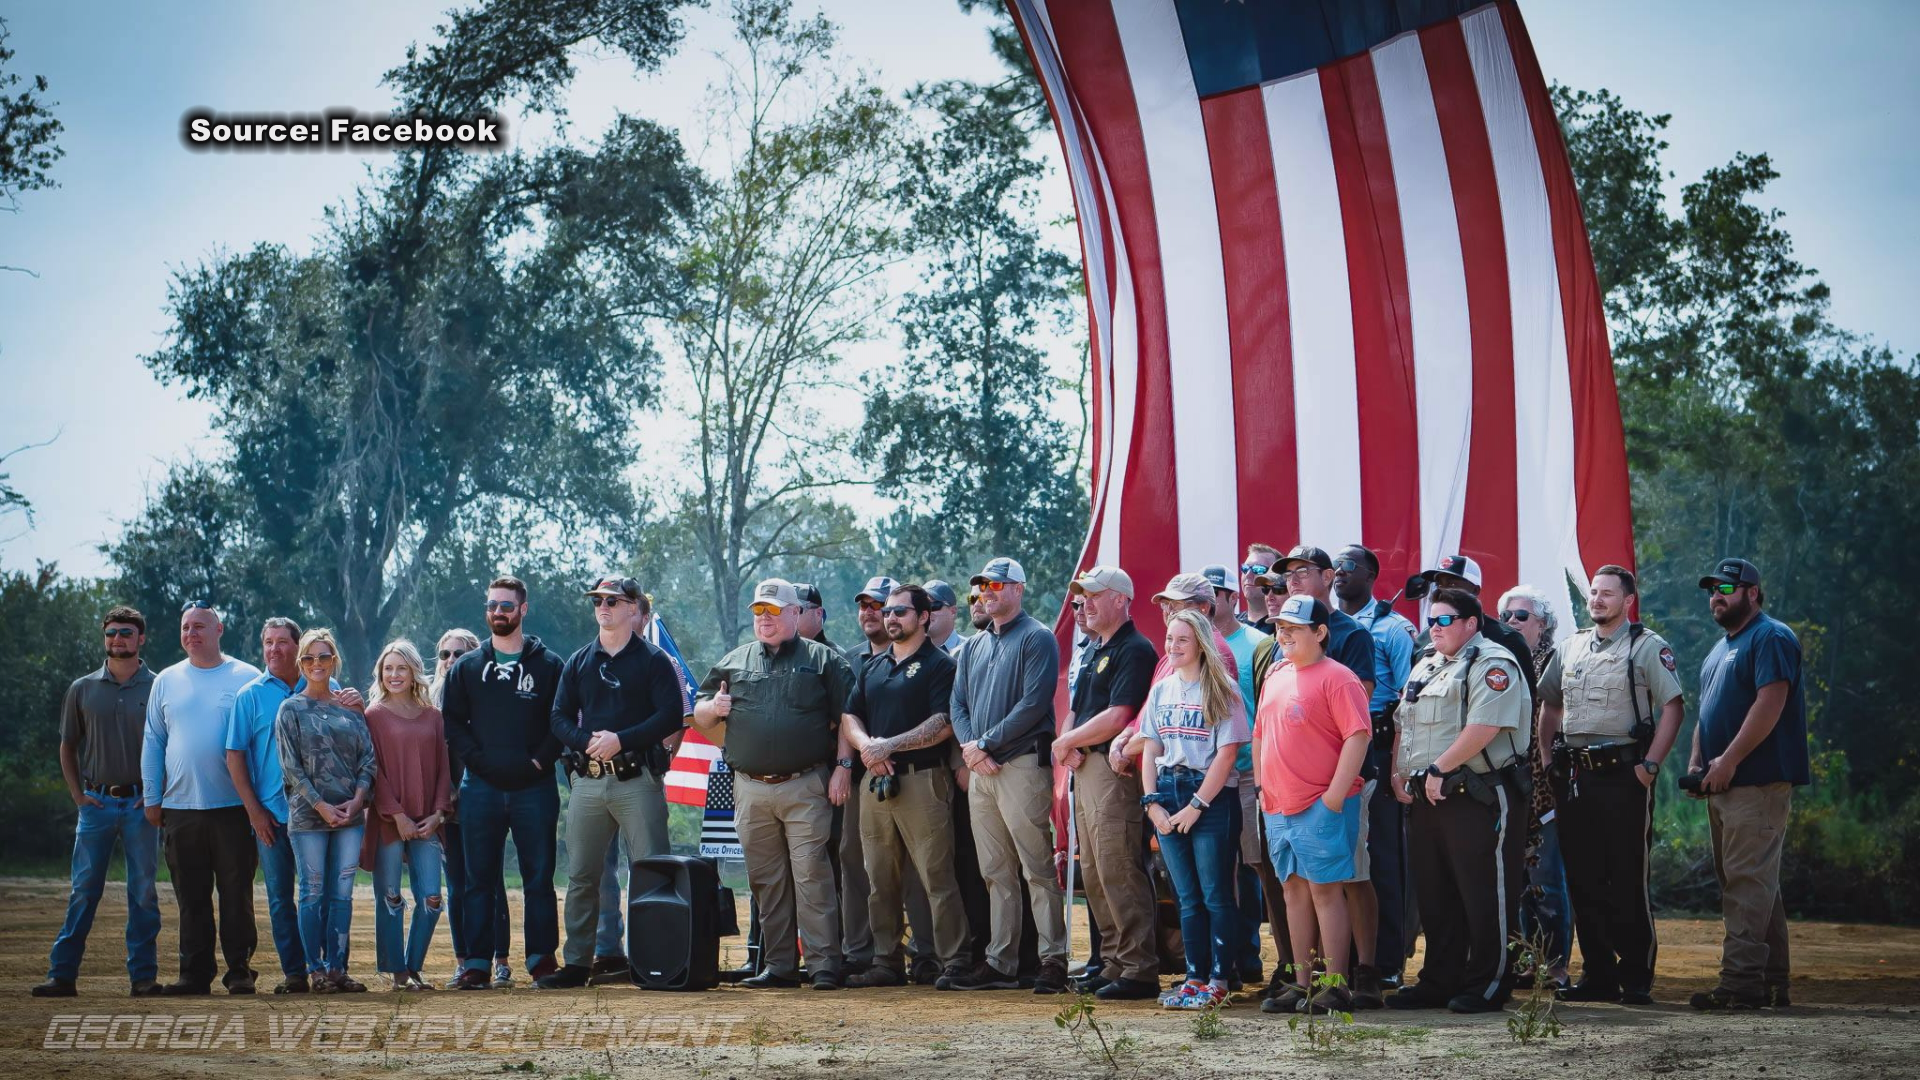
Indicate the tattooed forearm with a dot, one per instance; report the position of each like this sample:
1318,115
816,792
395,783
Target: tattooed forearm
934,731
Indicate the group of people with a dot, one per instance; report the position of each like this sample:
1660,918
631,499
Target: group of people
1297,749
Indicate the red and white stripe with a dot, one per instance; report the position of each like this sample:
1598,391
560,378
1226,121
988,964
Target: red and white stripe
686,779
1355,304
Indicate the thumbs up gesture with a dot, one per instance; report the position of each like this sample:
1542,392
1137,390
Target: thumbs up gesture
722,702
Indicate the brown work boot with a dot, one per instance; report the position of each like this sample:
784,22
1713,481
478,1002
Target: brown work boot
1367,991
1052,978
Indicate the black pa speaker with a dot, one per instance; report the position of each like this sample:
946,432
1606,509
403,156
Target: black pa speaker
672,940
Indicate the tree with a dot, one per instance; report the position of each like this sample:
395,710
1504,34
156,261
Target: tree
50,632
28,141
780,273
459,341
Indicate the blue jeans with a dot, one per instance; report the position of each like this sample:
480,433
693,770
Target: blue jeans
400,951
94,834
454,859
327,861
1200,862
1550,908
276,865
532,815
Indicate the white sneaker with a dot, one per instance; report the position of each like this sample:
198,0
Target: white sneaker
502,976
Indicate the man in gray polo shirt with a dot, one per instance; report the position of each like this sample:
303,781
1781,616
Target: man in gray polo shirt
102,723
1003,719
775,704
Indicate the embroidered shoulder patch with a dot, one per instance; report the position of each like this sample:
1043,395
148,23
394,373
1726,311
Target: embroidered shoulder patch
1102,665
1666,658
1497,679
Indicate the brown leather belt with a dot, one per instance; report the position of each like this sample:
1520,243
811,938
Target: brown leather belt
770,778
115,791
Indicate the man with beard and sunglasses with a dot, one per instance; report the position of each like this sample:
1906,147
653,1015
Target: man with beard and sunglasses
498,708
101,724
618,699
1750,752
898,723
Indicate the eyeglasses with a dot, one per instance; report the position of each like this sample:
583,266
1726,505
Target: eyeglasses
505,607
1443,620
314,659
1347,565
994,586
452,654
1725,588
897,610
203,605
607,601
765,609
120,631
1300,573
867,604
1516,615
1253,568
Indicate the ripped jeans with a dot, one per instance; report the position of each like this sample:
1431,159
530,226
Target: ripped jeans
326,860
400,952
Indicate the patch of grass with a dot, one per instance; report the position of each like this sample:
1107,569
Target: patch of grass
1078,1020
1209,1024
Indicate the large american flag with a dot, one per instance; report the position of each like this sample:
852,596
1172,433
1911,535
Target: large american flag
1339,285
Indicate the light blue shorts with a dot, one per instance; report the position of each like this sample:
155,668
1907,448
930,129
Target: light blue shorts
1316,844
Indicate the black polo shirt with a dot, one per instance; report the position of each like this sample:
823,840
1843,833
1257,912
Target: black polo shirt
633,693
1115,672
892,697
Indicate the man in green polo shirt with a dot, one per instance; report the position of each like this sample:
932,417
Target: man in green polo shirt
775,704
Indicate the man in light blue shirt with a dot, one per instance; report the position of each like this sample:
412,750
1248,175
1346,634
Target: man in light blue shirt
190,794
253,762
1355,570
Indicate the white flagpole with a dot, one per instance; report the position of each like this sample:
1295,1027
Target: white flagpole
1073,848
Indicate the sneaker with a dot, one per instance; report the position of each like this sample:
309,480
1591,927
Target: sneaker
1472,1003
926,971
474,979
145,988
570,977
1589,991
609,969
1129,990
984,976
1366,991
949,976
877,975
502,975
55,988
1052,979
1206,997
1417,996
453,981
1329,999
828,979
297,984
1172,998
1777,996
1721,1000
416,983
1288,1000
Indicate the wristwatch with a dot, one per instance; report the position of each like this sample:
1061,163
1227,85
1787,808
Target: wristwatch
844,763
1197,803
1652,766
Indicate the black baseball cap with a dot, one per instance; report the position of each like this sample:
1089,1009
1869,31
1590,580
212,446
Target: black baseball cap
1305,553
616,586
941,594
1732,572
809,593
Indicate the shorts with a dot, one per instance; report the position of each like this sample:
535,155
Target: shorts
1316,844
1362,862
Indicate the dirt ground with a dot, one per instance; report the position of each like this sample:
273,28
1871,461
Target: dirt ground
1856,1011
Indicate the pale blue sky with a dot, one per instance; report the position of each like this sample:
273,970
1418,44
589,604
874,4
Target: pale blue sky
1831,93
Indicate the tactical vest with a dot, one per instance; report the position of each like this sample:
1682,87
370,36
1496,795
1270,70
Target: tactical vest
1602,702
1433,712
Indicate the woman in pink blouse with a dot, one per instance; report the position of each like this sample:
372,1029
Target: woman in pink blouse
411,793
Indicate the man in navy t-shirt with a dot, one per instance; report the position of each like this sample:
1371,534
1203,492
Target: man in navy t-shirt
1751,743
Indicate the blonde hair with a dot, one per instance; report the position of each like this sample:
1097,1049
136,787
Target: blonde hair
1220,690
416,669
318,634
437,691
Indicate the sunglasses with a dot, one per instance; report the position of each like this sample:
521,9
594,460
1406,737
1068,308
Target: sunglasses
1077,604
607,601
1346,565
203,605
1725,588
1263,589
995,586
867,604
503,606
1444,620
452,654
1516,615
120,631
897,610
765,609
327,659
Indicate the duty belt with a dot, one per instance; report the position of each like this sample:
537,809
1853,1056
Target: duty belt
1604,758
593,768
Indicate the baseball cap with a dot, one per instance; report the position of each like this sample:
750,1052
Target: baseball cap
1304,553
1459,566
1099,579
624,587
877,589
776,591
1186,587
941,594
809,593
1221,577
1001,569
1732,572
1303,610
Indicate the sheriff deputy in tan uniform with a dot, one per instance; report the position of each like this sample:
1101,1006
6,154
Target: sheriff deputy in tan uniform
1460,758
1613,698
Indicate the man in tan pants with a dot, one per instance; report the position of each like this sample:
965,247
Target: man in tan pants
897,722
775,704
1115,673
1002,711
